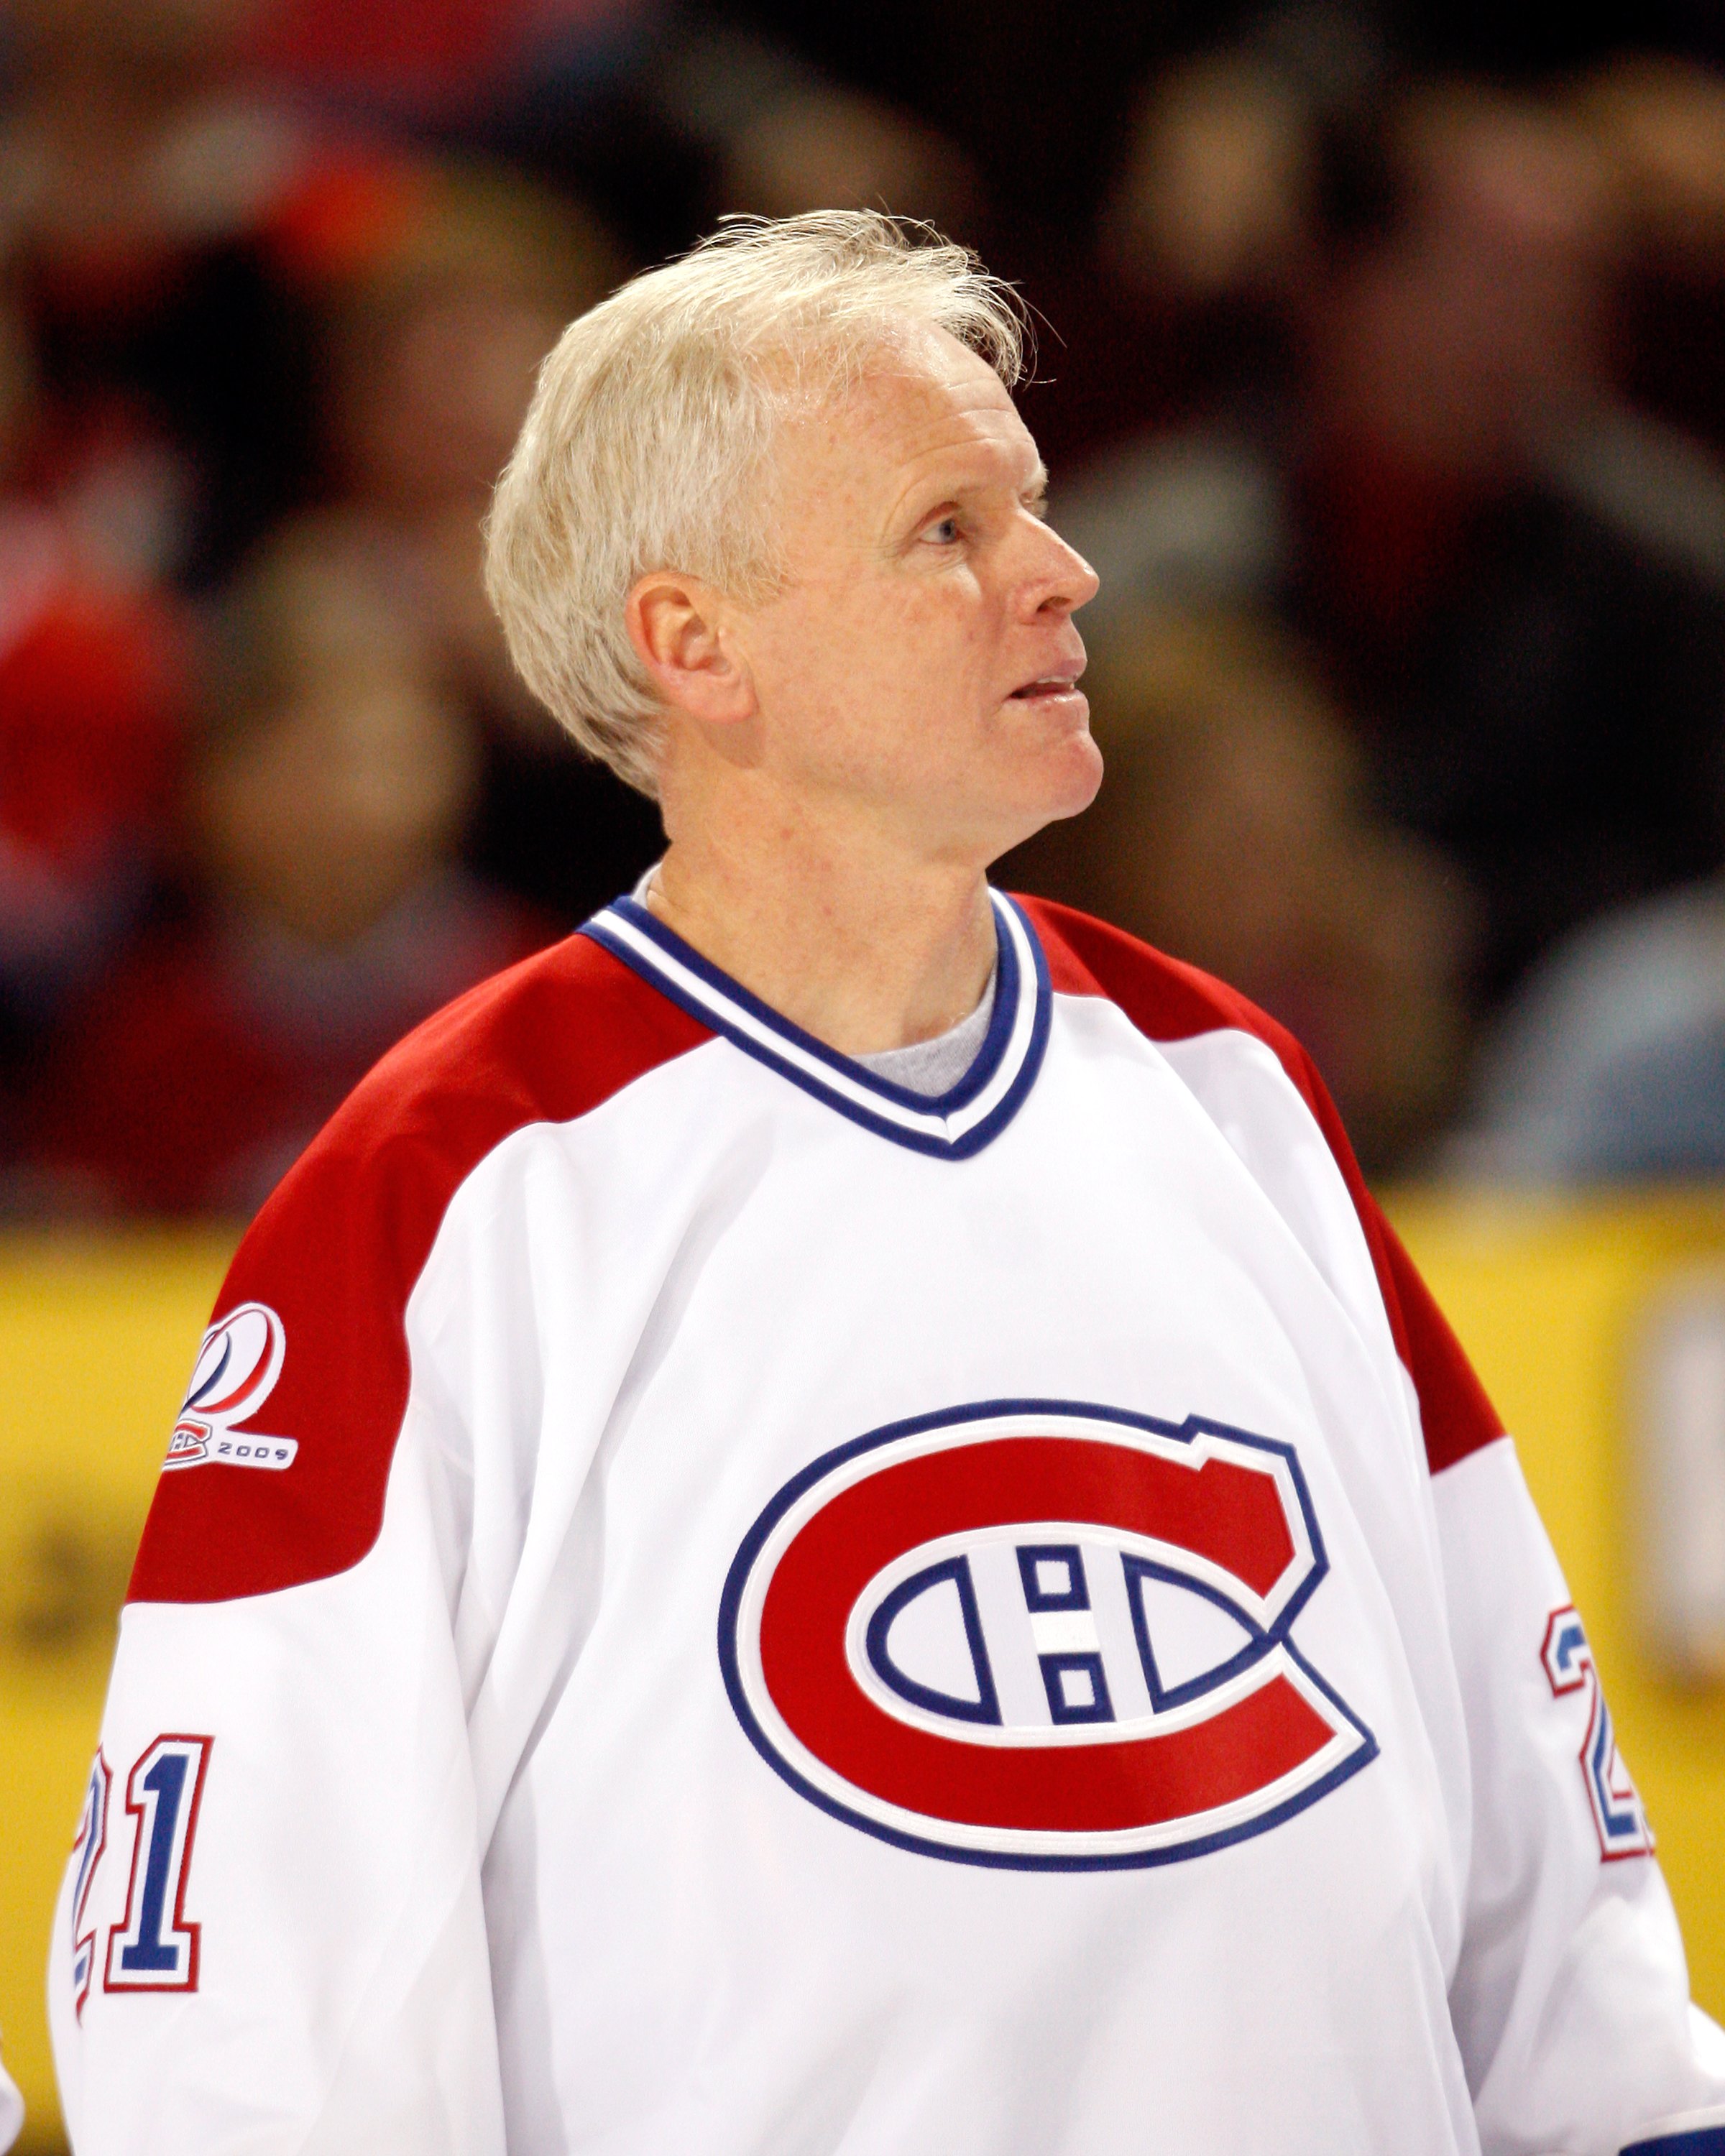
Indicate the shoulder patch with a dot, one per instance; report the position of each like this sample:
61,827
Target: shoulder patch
311,1316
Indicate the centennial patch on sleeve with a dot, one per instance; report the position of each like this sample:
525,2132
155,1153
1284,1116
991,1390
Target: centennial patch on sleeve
236,1370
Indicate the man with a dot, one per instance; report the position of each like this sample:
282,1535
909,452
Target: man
826,1518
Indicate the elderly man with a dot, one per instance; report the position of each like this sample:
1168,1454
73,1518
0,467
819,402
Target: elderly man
826,1518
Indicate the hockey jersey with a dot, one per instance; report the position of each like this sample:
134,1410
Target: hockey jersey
702,1601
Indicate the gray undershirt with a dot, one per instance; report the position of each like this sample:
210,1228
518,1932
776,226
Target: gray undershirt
934,1067
928,1067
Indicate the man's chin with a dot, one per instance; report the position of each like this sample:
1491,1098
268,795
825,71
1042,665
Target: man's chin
1076,778
1062,783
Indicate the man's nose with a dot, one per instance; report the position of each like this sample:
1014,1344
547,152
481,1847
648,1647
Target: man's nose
1061,579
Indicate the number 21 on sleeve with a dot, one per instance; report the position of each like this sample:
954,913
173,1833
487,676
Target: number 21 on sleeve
156,1948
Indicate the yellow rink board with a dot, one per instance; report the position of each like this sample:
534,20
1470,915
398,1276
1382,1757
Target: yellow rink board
1549,1300
97,1337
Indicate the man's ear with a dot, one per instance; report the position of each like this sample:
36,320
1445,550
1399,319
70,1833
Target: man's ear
681,630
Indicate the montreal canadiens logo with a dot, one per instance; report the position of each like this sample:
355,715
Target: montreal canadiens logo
235,1372
1045,1635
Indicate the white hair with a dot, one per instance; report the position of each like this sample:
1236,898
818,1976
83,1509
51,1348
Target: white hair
649,443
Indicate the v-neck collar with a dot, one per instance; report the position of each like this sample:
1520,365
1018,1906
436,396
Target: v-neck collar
952,1126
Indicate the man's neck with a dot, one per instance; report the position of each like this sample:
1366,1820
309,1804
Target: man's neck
863,951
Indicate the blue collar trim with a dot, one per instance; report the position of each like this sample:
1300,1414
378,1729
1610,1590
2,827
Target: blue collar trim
952,1126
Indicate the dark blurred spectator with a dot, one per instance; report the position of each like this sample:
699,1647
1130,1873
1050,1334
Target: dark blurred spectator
1660,124
1231,831
784,137
91,679
92,691
1611,1063
159,223
1180,315
1037,97
663,114
1215,195
569,89
1478,536
331,778
818,147
430,355
1209,231
435,61
1487,549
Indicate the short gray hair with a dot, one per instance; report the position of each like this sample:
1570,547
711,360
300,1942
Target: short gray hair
648,442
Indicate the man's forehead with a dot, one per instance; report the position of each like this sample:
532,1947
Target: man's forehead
926,400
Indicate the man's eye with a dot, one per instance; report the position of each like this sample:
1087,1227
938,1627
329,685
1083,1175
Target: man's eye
944,531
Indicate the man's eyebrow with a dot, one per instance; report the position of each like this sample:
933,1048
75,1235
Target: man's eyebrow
936,491
1034,489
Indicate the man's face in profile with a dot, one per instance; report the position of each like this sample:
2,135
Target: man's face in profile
921,658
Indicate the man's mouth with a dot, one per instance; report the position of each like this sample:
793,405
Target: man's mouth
1047,685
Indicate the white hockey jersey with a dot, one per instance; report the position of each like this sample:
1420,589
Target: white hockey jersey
701,1602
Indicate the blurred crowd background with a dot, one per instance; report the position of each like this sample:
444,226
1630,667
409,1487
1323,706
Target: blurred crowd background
1381,373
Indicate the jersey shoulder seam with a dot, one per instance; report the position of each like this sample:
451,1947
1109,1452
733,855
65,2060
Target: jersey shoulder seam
1168,1002
328,1267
